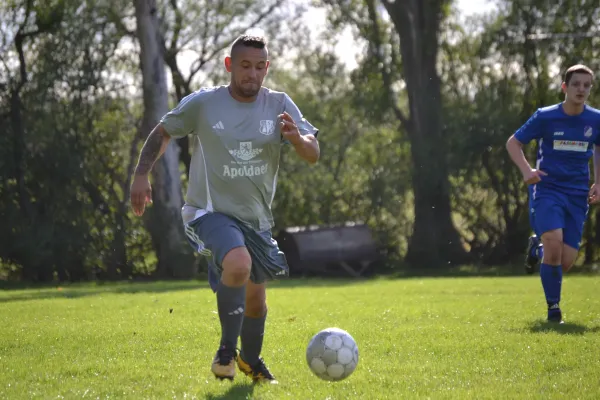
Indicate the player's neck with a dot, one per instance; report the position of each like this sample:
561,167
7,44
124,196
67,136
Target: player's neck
239,98
572,109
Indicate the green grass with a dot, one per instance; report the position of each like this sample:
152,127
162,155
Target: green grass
441,338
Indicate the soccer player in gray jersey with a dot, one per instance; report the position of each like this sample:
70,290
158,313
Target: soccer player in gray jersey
237,132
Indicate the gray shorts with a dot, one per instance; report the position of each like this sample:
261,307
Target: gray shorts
215,234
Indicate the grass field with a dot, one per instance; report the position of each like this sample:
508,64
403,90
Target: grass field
482,338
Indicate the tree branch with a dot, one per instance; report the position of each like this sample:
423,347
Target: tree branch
205,56
378,54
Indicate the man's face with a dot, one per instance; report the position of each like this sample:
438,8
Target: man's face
248,67
578,88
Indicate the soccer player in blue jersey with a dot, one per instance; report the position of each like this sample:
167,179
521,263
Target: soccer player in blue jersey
567,135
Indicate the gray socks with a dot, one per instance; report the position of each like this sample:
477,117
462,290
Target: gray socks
253,330
231,305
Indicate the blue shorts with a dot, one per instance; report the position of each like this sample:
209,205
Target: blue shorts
550,209
215,234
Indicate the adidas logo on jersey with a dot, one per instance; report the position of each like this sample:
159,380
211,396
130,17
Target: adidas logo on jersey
218,125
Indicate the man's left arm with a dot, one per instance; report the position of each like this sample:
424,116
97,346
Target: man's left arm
594,196
299,132
307,145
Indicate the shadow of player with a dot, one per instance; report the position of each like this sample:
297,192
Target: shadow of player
567,328
236,391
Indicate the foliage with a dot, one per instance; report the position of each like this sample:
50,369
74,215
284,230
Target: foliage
70,106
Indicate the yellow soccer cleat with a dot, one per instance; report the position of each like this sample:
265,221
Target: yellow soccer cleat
258,372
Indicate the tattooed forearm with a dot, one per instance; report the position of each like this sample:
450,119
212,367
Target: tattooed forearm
151,150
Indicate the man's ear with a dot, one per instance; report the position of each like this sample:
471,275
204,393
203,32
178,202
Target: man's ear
228,63
563,86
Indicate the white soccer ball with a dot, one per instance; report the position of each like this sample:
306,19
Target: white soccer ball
332,354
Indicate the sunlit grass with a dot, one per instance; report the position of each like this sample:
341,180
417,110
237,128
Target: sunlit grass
418,338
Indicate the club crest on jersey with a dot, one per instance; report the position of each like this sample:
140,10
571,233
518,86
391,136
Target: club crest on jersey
267,127
588,131
246,152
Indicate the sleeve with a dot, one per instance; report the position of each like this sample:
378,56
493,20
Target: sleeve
305,127
182,120
597,141
532,129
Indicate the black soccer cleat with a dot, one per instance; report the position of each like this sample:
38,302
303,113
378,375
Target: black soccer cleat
554,314
223,365
531,256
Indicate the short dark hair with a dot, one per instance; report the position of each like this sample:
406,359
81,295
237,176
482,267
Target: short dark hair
577,69
258,42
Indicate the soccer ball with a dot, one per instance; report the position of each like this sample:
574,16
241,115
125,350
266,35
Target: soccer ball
332,354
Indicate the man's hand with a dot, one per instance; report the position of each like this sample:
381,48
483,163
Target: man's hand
289,129
533,176
141,194
154,147
594,196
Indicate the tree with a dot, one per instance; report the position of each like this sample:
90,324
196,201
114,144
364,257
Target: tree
416,25
175,258
62,177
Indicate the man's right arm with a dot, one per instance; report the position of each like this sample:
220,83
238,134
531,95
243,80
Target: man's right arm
515,151
153,148
530,130
141,190
177,123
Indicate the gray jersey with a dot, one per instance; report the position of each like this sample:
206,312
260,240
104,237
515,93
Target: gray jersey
236,148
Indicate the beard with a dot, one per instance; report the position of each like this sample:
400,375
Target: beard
247,90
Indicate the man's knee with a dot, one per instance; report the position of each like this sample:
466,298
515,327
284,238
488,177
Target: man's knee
236,267
553,247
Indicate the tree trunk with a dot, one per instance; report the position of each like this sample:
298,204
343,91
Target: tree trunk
117,264
435,242
175,258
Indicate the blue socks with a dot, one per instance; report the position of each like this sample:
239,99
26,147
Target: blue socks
552,282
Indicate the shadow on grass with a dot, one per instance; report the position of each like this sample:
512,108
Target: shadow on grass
567,328
78,290
236,391
18,291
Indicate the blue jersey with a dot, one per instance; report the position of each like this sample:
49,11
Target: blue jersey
565,146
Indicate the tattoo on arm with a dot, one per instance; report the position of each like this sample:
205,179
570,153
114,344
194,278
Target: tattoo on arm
150,152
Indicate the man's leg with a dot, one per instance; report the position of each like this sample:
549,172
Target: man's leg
253,328
268,263
578,208
534,252
225,240
569,255
231,299
550,208
551,272
231,294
